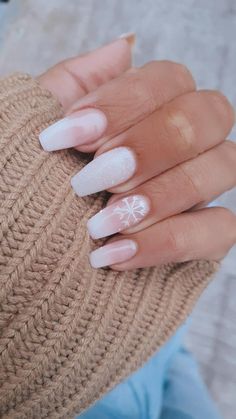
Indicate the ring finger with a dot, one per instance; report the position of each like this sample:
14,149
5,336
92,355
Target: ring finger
177,190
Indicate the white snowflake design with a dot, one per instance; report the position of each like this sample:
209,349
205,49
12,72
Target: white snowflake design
132,210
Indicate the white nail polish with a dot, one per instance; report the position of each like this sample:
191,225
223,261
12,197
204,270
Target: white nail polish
123,214
105,171
116,252
82,127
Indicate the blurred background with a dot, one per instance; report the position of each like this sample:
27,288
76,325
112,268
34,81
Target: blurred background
35,34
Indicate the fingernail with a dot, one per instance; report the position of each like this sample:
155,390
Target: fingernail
81,127
112,253
130,37
105,171
119,216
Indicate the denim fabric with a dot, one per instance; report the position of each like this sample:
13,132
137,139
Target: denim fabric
168,386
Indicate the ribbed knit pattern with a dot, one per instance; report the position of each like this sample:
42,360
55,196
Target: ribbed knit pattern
68,333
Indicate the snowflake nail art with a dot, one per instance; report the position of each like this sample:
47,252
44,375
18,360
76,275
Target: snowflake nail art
131,210
118,216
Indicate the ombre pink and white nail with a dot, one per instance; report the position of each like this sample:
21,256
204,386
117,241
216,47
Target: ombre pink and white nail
119,216
113,253
82,127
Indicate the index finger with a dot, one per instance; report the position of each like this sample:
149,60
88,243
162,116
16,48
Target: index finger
117,105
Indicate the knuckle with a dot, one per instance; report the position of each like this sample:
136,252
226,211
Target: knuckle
141,92
157,187
154,63
181,128
230,149
184,74
230,222
177,67
229,146
227,153
227,220
191,180
180,71
222,105
182,68
176,240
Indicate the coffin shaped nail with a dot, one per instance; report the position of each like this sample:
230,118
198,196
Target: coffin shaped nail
105,171
123,214
112,253
81,127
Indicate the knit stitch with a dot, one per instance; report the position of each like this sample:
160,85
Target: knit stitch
68,333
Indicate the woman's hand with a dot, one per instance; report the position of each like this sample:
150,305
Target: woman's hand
161,150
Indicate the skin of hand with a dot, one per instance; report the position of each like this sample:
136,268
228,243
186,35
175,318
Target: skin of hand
161,149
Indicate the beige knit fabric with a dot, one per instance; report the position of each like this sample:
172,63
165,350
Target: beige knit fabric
68,333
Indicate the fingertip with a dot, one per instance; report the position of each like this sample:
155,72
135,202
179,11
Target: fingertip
119,52
129,37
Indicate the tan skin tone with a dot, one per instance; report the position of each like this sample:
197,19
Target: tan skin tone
179,137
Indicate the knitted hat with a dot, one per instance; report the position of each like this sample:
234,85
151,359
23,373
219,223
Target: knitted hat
68,333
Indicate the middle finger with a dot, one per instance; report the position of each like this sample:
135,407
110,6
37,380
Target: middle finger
179,131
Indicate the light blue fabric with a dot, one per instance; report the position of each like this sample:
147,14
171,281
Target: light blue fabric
168,386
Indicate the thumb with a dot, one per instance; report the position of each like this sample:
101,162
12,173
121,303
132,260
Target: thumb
73,78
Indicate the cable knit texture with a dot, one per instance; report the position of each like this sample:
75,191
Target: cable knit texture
68,333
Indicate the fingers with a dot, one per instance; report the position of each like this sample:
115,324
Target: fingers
208,233
73,78
117,105
176,190
136,94
180,130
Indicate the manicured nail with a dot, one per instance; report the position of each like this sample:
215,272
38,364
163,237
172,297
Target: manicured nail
130,37
81,127
119,216
105,171
112,253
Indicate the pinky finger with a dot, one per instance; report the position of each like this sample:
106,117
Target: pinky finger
208,233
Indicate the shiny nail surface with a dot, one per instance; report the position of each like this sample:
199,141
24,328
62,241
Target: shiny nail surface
123,214
105,171
82,127
112,253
